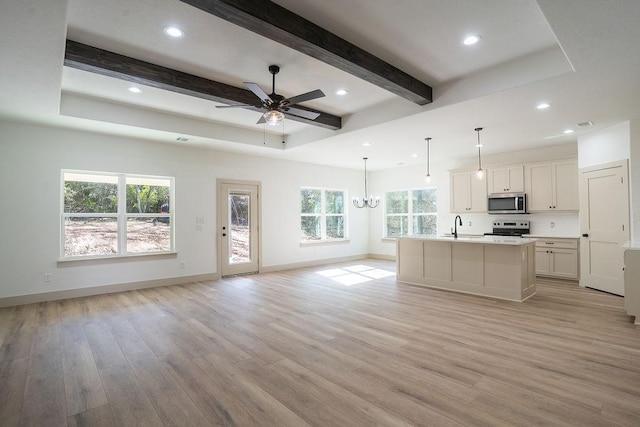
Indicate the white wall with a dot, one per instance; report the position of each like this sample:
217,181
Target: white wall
605,146
31,158
634,171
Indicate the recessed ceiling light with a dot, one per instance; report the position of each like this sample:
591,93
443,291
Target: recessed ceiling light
366,144
342,92
414,155
471,39
173,31
135,89
543,106
568,131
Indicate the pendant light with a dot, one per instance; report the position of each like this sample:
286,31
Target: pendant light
366,202
428,161
480,173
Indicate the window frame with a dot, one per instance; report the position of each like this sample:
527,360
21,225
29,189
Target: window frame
323,215
410,215
121,215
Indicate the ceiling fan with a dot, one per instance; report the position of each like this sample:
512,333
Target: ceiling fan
277,105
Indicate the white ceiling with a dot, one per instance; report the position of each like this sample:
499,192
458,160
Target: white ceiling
579,55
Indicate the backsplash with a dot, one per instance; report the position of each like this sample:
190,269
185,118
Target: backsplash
550,224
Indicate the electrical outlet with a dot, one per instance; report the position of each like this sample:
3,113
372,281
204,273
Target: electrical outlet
552,224
469,223
47,277
182,265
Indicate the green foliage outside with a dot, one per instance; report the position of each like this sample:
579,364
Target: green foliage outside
99,197
146,198
397,202
239,204
310,201
424,201
311,209
90,197
423,210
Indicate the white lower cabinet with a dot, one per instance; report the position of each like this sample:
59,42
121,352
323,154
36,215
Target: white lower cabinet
632,283
557,258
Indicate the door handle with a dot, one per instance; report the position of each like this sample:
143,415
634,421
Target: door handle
585,235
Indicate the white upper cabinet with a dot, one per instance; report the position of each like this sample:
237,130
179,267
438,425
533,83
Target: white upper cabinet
468,193
508,179
552,186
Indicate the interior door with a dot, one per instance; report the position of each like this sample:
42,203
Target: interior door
238,227
604,225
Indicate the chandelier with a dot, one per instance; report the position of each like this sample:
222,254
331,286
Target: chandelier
366,202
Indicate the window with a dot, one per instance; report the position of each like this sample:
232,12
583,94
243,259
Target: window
115,214
410,212
322,214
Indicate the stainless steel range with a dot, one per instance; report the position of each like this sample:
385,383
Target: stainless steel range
509,228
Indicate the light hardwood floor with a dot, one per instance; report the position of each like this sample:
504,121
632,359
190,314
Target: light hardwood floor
305,347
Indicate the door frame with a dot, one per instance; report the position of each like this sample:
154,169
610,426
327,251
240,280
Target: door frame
624,167
221,218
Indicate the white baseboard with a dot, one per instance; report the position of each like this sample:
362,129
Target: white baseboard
317,262
382,257
106,289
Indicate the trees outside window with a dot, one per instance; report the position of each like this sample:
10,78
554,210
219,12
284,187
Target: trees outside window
411,212
322,214
115,214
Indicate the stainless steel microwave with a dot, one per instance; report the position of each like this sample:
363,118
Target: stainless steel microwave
507,203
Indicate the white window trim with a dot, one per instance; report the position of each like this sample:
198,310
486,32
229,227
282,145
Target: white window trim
323,216
410,215
121,216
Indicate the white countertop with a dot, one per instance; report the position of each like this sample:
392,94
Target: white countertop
632,244
491,240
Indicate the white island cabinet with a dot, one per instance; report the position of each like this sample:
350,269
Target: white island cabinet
632,279
498,267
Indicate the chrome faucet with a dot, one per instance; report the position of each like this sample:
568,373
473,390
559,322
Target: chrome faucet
457,220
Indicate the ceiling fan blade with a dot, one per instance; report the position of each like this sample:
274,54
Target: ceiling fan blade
314,94
253,87
238,105
302,113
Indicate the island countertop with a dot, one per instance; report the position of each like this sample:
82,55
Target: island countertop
493,266
491,240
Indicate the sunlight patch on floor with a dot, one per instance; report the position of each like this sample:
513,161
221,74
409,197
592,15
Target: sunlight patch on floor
355,274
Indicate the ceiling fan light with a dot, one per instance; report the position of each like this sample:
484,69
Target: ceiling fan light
273,117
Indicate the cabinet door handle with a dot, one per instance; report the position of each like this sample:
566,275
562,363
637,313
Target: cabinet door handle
585,235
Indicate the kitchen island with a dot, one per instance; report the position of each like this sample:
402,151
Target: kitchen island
498,267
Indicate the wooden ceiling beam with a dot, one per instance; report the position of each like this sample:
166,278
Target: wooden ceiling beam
99,61
283,26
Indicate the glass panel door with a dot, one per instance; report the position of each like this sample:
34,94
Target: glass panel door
240,231
238,220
